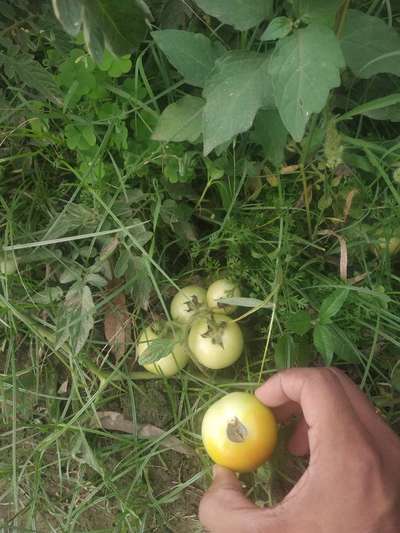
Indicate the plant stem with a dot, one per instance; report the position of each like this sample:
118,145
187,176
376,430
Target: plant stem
341,18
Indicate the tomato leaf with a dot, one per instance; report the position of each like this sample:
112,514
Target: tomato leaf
181,121
192,54
332,304
237,88
156,350
324,342
370,46
304,67
75,319
240,14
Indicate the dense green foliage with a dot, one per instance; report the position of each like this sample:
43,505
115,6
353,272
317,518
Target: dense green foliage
155,145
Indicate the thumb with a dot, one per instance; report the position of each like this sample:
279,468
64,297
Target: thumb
225,509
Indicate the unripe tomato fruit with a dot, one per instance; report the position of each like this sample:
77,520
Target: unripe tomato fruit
167,366
187,303
239,432
222,288
216,341
7,265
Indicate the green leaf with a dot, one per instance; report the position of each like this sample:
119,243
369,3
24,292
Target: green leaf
238,87
245,302
304,68
279,27
94,37
370,46
324,342
332,305
156,350
319,11
270,133
299,322
284,351
181,121
122,23
240,14
192,54
76,317
343,347
69,13
373,105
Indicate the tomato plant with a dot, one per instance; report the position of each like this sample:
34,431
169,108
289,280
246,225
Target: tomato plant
239,432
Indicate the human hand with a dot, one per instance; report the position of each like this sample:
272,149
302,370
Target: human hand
352,483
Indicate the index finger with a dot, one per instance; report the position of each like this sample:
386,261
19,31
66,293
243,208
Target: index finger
327,410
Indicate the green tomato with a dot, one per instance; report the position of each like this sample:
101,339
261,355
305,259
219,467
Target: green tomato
216,341
8,265
188,302
169,365
392,246
222,288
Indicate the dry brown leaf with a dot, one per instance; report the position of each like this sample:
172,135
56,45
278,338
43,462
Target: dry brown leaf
114,421
343,252
349,202
117,326
290,169
63,389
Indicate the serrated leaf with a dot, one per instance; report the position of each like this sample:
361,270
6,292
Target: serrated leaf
76,318
192,54
278,27
304,68
284,351
343,347
34,75
69,13
240,14
319,11
299,322
270,133
181,121
332,304
157,349
369,45
238,87
122,23
324,342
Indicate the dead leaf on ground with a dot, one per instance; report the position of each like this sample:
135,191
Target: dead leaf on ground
63,389
114,421
117,326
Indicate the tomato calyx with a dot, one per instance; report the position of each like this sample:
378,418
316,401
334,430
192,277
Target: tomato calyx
193,304
215,331
236,431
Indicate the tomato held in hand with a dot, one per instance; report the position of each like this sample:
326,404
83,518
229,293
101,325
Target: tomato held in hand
216,341
239,432
170,364
187,303
222,288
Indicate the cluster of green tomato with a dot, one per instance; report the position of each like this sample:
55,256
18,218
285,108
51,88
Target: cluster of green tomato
201,327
